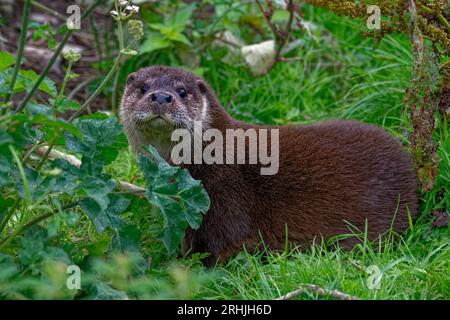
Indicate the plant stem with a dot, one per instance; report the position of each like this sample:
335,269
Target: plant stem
22,40
111,72
87,103
30,152
119,24
22,174
58,132
53,59
99,88
31,223
24,227
97,43
444,22
63,88
8,215
50,147
439,16
114,94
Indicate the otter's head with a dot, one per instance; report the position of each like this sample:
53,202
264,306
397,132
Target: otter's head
158,100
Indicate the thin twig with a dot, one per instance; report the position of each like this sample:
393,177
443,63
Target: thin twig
319,291
287,32
281,37
267,16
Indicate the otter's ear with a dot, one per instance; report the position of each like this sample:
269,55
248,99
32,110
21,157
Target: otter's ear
131,77
202,86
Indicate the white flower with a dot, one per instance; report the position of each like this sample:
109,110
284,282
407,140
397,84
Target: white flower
123,3
114,13
133,9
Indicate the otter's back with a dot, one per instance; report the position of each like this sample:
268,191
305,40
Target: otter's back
340,172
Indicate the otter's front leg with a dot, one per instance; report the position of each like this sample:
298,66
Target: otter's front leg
220,239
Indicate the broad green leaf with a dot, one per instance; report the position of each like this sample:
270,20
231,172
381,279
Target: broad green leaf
6,60
178,37
5,138
67,180
103,291
127,238
180,199
5,204
37,185
35,250
100,142
37,108
48,124
181,18
63,104
157,26
154,41
25,81
9,269
108,217
5,81
28,77
25,133
98,189
6,166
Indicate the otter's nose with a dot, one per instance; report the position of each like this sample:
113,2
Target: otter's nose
161,97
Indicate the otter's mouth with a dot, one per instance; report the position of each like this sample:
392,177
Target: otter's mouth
156,121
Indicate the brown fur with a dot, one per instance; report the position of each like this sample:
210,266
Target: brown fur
331,174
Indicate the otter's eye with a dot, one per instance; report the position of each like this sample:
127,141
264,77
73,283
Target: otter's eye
182,93
145,88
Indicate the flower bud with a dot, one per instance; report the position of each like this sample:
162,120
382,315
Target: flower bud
136,28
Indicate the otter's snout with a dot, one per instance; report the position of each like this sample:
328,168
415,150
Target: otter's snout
161,97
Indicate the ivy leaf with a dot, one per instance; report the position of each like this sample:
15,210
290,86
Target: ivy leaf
180,199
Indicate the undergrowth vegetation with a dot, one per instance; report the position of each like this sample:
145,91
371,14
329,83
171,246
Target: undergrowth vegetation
60,213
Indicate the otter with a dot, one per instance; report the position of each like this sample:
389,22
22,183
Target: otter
335,177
